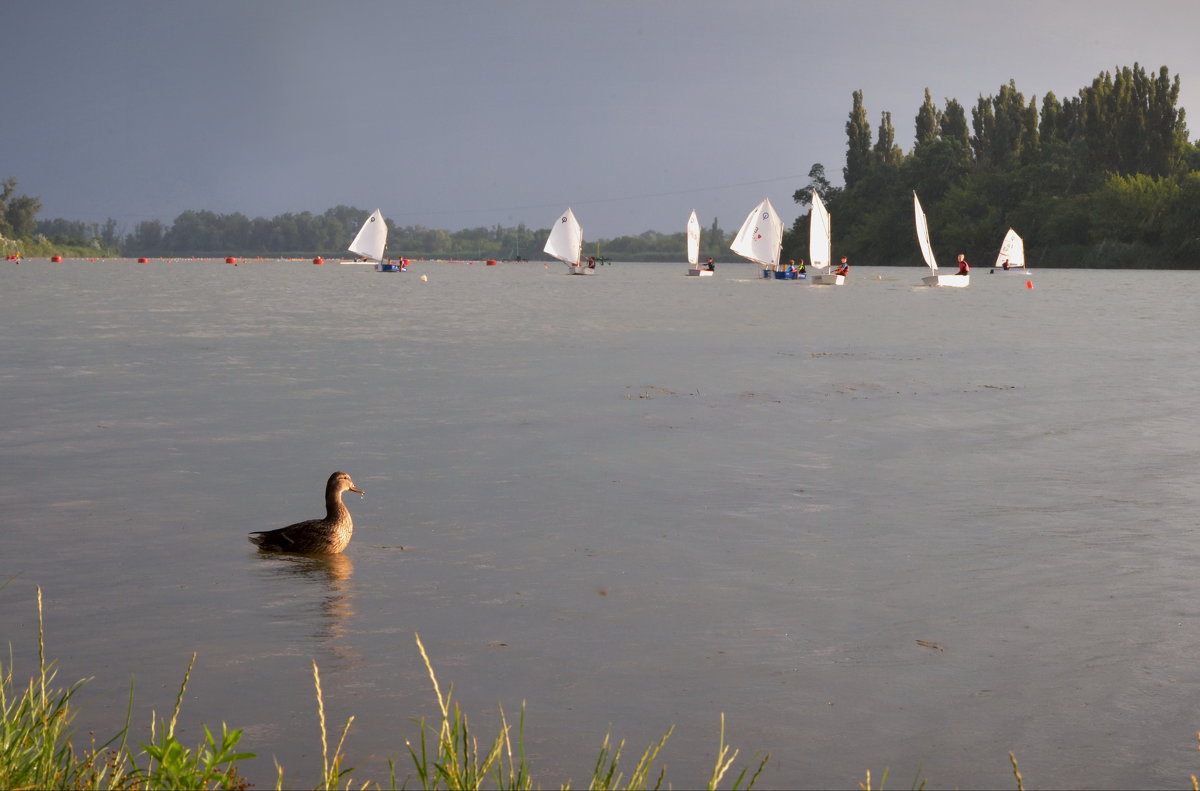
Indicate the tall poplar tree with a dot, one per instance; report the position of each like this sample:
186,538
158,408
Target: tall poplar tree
887,153
928,121
858,143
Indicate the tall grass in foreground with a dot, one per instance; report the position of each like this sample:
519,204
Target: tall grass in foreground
36,751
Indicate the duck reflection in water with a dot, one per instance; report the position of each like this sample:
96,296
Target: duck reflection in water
333,575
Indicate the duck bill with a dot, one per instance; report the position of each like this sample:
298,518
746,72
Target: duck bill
357,490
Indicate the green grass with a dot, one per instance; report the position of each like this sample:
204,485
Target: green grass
37,752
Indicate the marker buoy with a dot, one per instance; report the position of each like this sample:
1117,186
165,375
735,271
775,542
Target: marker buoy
143,260
318,260
56,259
1028,284
424,278
231,260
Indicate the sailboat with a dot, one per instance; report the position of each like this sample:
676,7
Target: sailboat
820,245
933,279
370,242
1012,252
565,243
761,237
517,254
693,249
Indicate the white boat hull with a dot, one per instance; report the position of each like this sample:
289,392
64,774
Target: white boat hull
954,281
698,272
580,269
828,279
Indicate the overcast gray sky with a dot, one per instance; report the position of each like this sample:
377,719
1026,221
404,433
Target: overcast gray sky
457,114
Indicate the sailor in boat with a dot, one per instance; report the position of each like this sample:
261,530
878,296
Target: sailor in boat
1005,264
711,266
801,268
844,269
963,267
591,262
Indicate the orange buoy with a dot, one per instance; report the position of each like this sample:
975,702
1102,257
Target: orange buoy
1028,284
143,260
318,260
56,259
231,260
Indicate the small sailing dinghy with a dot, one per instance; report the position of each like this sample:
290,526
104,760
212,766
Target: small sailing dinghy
370,242
693,250
1012,252
565,243
933,279
820,245
761,237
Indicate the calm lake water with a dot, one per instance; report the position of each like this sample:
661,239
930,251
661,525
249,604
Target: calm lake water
877,526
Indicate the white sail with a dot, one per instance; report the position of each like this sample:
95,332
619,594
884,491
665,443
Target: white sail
1012,250
820,236
372,238
693,239
566,239
761,236
923,235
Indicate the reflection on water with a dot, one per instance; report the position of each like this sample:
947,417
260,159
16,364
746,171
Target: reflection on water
330,577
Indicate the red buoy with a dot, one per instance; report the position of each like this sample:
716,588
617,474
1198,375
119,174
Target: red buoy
318,260
56,259
143,260
231,260
1028,284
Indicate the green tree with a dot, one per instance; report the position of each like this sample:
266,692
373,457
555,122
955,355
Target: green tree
858,144
1052,127
886,152
929,121
18,213
146,239
953,124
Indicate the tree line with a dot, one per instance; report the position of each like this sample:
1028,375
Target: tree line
1104,178
304,234
1107,177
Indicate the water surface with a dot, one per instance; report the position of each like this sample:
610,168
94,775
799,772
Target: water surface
878,526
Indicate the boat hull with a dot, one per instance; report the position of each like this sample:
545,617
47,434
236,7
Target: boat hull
387,267
697,272
952,281
785,275
828,279
580,269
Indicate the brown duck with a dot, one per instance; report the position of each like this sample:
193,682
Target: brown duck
327,536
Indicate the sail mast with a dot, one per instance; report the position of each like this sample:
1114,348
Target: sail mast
693,239
923,234
820,234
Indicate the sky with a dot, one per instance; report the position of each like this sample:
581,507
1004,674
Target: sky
465,113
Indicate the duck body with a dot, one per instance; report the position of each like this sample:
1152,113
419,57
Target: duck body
327,536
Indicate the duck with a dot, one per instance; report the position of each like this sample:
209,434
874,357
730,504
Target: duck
328,536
